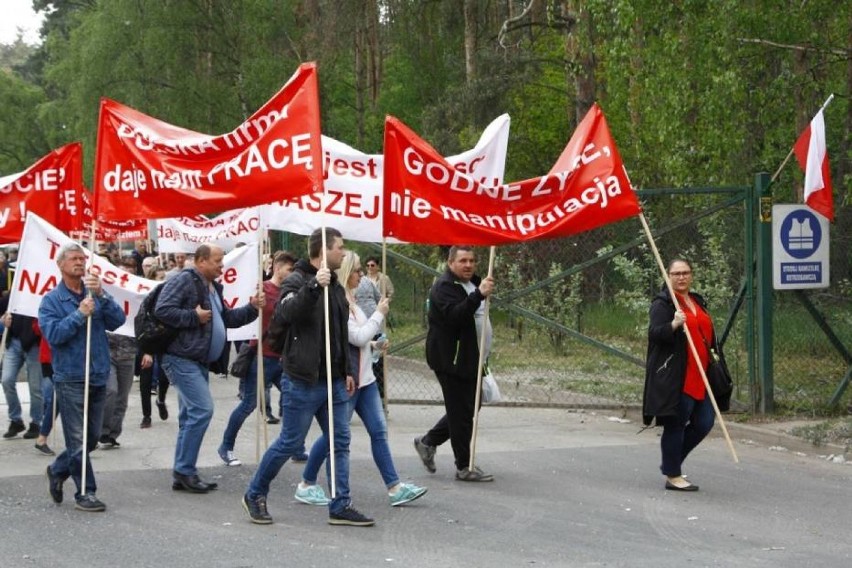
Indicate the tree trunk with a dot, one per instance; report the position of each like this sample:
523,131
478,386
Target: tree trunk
470,33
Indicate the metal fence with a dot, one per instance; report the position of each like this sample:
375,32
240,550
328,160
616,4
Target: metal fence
570,315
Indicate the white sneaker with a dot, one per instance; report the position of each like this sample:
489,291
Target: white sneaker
229,458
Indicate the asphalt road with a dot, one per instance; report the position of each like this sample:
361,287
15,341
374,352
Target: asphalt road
571,489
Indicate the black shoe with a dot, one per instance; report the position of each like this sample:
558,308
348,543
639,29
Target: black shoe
15,428
146,422
54,486
32,432
161,408
426,453
273,420
44,449
105,442
90,504
256,509
114,442
474,474
350,517
191,483
672,487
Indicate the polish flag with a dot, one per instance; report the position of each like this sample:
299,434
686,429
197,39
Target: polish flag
812,155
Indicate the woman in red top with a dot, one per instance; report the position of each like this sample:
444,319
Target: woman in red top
47,394
674,391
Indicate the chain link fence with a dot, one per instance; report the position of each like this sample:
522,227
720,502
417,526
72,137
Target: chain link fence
570,315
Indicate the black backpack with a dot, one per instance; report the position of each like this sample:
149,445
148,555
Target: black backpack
152,336
276,333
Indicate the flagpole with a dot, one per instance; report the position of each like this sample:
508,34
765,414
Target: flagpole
383,289
492,254
790,153
88,359
328,378
261,376
688,336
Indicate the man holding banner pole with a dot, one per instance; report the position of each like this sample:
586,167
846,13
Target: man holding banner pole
457,320
306,357
64,313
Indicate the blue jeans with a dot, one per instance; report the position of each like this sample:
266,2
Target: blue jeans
47,410
367,403
681,434
271,375
195,409
14,359
302,402
69,399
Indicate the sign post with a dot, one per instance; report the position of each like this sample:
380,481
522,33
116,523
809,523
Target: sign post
799,248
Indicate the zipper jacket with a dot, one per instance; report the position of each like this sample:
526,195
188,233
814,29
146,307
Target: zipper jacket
451,343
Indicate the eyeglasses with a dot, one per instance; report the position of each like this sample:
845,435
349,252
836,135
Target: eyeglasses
678,274
371,264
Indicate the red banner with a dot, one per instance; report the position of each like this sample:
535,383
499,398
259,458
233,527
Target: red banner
48,188
148,168
107,231
427,201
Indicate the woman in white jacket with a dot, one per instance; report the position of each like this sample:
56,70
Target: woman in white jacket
365,401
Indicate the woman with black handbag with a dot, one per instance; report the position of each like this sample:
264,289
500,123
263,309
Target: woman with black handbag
675,394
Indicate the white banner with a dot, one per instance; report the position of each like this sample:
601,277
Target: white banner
185,234
353,187
37,274
240,279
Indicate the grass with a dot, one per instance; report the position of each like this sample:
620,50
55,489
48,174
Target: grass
807,369
837,431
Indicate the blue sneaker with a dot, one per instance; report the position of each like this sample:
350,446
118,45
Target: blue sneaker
311,495
406,493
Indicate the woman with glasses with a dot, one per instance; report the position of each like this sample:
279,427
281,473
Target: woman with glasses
381,281
675,394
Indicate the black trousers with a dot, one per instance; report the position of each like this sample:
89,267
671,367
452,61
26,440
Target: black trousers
146,380
457,424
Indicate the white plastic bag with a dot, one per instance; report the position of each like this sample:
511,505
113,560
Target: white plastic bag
490,389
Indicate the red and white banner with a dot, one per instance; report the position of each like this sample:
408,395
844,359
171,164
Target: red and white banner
108,231
48,188
185,234
37,274
353,187
428,201
151,169
812,155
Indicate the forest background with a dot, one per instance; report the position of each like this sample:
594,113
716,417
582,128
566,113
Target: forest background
696,94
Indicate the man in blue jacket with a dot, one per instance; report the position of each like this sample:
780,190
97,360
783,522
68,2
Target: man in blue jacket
192,302
456,321
63,317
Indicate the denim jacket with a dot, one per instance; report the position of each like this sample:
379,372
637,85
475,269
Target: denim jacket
64,327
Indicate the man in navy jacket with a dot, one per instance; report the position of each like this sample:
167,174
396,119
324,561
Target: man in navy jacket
192,302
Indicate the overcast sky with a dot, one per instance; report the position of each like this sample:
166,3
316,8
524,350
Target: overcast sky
19,14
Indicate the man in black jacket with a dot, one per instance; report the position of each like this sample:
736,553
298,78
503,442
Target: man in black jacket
456,321
304,381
